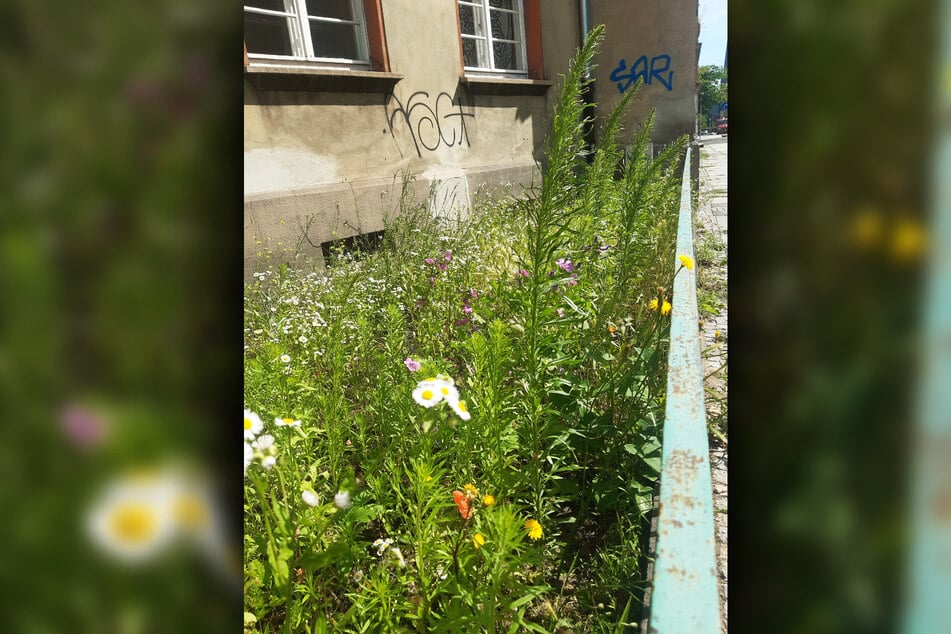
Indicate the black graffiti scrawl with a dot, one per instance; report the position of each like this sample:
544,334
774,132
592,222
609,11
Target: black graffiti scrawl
431,121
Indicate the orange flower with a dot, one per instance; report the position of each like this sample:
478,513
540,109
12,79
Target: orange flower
463,503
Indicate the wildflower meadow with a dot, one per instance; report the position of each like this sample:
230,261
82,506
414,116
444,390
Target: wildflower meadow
459,429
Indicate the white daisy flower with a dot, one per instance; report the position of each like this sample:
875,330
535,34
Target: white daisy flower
460,408
429,392
286,358
342,500
252,425
358,576
302,339
310,498
133,519
449,392
195,511
268,461
286,422
248,457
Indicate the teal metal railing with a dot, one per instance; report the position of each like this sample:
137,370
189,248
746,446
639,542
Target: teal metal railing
927,605
684,599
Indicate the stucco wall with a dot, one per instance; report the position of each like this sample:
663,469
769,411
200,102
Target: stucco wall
650,32
324,164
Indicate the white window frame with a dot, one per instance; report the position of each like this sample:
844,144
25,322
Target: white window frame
302,43
488,68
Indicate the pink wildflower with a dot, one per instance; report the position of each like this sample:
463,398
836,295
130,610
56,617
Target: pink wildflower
412,364
84,428
566,265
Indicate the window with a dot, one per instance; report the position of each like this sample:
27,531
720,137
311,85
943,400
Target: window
493,36
333,31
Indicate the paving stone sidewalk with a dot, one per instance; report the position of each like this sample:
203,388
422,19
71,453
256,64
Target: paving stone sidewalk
710,243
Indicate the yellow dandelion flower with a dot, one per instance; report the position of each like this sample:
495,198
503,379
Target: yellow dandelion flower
687,261
612,328
534,529
653,304
478,540
488,500
908,240
471,492
666,308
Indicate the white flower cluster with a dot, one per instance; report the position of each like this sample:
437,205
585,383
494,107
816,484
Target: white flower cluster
381,545
261,448
434,390
140,515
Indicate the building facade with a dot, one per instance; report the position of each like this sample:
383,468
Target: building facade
349,101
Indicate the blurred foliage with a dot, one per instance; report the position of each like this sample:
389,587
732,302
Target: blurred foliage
712,92
832,112
115,287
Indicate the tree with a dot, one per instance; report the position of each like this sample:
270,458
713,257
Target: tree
713,91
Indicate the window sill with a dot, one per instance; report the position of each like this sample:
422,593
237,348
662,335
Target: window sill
320,79
506,85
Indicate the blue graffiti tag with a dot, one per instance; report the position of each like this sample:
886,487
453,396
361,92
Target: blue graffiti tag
644,71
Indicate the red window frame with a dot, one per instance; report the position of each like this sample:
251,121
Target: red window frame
532,12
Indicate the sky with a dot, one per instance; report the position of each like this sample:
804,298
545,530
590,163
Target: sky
712,31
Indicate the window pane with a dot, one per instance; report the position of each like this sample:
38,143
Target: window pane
339,9
506,56
473,52
267,34
334,40
502,4
503,26
273,5
471,21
